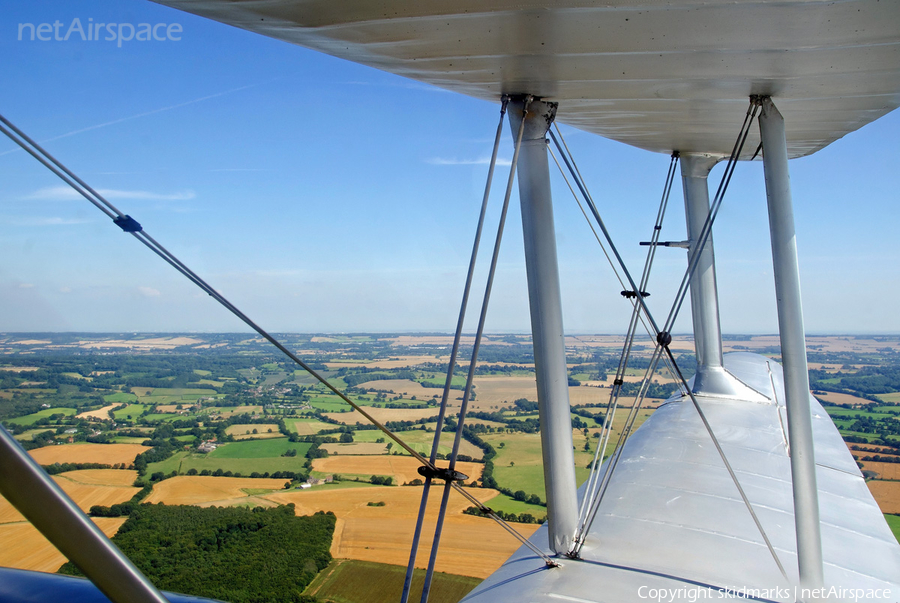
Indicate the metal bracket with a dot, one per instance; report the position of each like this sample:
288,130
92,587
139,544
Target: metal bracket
680,244
444,473
127,223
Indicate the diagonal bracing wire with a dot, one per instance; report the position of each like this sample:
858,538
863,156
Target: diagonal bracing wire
664,339
467,392
576,175
601,448
612,406
731,472
131,226
451,366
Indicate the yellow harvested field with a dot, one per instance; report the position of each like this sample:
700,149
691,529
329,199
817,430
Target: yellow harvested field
397,362
245,432
470,546
85,494
208,490
401,468
384,415
828,368
102,477
411,340
101,414
887,495
109,454
23,547
363,448
588,395
18,369
500,390
156,343
841,398
402,386
251,409
870,449
308,427
884,470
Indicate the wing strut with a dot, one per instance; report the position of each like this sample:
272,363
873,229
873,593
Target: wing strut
548,338
793,345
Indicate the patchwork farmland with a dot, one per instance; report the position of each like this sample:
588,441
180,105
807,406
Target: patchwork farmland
230,424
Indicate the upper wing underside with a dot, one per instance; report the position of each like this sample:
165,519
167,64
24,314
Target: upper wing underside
661,76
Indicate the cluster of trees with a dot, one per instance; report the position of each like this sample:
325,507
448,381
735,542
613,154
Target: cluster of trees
884,426
233,554
381,480
63,467
510,517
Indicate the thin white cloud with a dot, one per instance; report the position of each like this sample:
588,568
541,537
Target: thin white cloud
456,161
65,193
149,292
54,221
26,285
146,113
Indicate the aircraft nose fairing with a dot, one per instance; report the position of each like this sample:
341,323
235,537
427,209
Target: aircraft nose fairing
661,76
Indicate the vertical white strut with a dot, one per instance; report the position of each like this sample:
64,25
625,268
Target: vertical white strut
546,322
710,377
793,344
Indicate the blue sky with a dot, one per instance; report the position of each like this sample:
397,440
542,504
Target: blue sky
319,195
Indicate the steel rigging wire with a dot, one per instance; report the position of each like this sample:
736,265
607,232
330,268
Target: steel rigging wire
664,339
131,226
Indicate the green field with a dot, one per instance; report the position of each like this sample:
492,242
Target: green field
307,426
346,581
119,398
31,432
29,419
134,410
440,380
173,463
523,450
182,462
420,441
526,472
165,417
129,440
239,457
894,522
179,391
329,403
259,449
244,466
506,504
878,412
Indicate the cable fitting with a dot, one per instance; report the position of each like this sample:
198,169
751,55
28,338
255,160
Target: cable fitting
631,294
444,473
618,382
127,223
663,338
